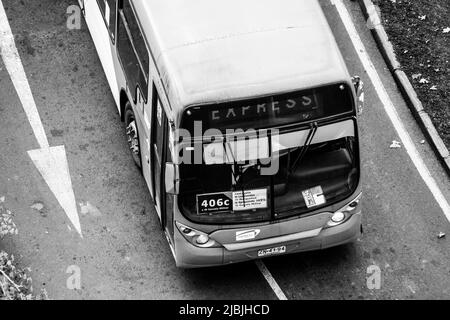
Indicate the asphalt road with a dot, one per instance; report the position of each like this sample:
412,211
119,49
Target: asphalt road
124,255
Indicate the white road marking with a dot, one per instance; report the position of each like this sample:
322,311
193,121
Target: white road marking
270,279
54,168
390,109
50,161
15,69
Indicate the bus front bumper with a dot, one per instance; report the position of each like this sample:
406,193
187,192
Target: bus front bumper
190,256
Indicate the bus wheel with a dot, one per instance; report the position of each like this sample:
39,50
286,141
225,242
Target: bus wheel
132,134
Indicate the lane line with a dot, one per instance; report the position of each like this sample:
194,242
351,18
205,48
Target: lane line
390,109
13,64
271,280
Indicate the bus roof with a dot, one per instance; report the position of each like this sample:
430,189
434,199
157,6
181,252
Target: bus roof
211,51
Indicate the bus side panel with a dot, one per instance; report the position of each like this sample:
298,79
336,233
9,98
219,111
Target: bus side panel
103,43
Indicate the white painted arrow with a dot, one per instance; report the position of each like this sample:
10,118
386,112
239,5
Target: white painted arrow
50,161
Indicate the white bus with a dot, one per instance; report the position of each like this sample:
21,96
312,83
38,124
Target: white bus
185,75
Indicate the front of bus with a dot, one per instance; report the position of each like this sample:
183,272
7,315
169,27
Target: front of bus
267,176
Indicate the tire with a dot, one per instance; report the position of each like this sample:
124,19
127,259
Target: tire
132,134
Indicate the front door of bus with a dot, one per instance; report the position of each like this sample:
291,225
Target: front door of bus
159,125
145,134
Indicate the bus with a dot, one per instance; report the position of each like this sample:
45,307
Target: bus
243,119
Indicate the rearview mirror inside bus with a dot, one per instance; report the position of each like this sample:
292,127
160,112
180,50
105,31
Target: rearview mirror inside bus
171,182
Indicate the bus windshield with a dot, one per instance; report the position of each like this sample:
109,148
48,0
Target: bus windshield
316,167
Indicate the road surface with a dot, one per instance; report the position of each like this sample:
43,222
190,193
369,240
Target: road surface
124,255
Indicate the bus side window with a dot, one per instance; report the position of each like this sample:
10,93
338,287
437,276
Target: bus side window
137,38
108,9
133,52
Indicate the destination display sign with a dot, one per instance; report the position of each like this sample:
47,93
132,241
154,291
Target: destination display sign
278,110
302,106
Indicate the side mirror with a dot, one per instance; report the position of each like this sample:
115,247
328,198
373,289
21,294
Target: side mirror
171,179
359,89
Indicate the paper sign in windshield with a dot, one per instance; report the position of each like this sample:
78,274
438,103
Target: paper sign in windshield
227,201
250,199
313,197
214,202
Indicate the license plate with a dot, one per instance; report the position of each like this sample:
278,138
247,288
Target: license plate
271,251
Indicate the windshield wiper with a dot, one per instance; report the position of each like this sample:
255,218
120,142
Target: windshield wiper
236,176
309,138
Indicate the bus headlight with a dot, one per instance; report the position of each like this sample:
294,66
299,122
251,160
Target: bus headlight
338,217
202,239
195,237
345,213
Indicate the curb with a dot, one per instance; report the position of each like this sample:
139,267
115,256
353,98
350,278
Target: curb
405,86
